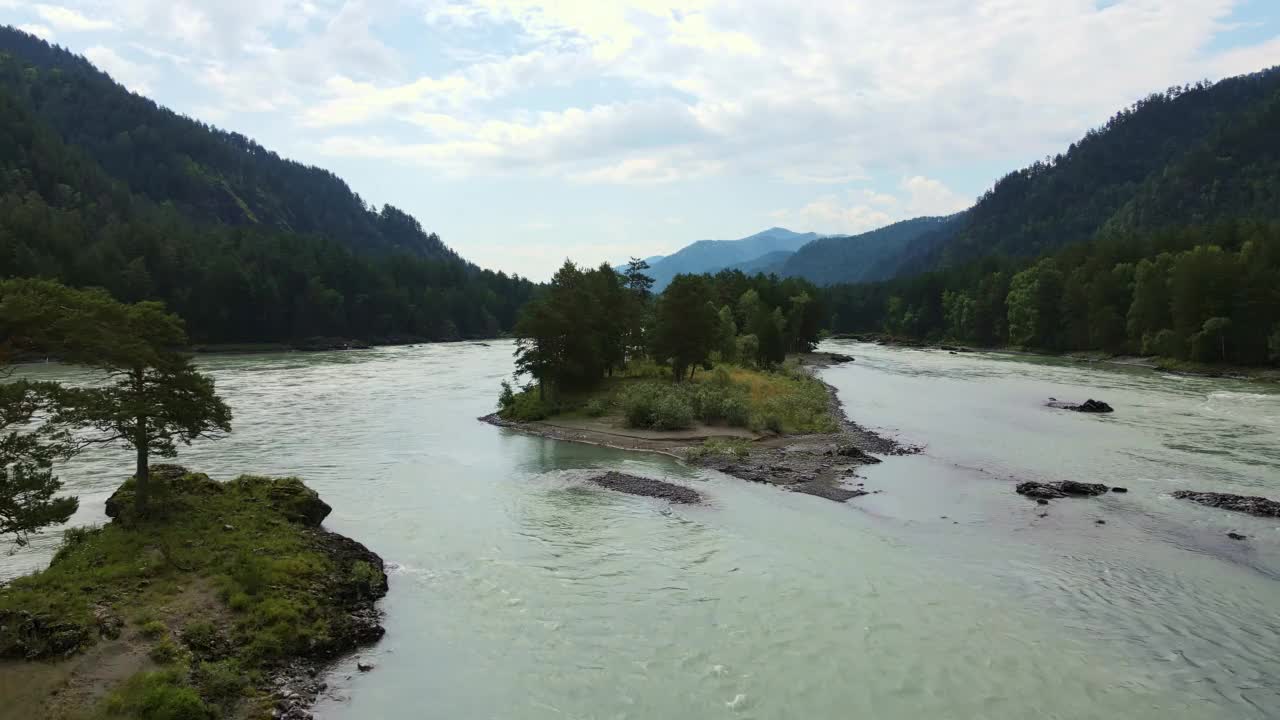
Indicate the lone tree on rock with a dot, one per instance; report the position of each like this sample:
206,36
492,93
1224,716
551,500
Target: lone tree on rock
155,399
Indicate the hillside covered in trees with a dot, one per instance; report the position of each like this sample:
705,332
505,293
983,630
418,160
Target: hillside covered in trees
1190,155
103,188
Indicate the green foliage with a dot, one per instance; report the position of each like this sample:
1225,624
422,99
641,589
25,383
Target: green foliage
733,447
748,349
1207,292
278,584
529,406
159,695
596,407
201,636
103,188
221,683
687,324
165,652
154,629
365,579
507,397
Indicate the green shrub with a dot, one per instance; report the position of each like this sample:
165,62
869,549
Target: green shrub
528,407
672,412
507,397
201,636
222,682
165,652
154,629
638,405
736,411
596,407
365,578
734,447
160,695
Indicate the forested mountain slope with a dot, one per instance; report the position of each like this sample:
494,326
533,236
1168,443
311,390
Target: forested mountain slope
208,174
99,187
866,257
1184,155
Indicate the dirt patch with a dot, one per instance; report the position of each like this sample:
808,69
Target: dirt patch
647,487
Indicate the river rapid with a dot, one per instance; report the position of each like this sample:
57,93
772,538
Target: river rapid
519,591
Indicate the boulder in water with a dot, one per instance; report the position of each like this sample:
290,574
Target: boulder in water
1088,406
1041,491
1061,489
1260,506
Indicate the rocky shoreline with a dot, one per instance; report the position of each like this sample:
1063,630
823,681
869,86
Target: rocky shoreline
819,465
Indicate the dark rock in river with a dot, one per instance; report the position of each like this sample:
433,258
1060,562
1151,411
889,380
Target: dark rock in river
1118,489
1088,406
1054,490
1263,507
1237,536
1071,487
647,487
1042,491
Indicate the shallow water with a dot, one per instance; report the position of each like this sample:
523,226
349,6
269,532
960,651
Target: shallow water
519,591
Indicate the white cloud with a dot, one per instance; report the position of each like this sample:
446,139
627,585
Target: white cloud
135,76
41,31
858,211
829,94
67,19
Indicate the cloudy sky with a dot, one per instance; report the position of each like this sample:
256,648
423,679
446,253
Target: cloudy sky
525,131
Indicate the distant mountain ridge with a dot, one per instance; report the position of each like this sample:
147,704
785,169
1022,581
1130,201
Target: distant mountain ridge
207,173
100,187
712,256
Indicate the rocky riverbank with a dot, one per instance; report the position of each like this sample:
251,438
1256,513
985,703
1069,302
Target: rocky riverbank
820,464
226,600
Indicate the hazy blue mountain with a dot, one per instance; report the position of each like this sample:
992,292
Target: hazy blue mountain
715,255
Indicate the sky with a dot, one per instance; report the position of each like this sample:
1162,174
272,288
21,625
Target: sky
528,131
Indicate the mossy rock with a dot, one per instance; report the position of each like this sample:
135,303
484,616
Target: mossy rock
166,481
297,502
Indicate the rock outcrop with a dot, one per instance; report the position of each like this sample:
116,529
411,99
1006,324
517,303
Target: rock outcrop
1253,505
1060,489
1088,406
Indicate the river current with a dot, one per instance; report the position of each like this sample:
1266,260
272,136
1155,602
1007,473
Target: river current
518,591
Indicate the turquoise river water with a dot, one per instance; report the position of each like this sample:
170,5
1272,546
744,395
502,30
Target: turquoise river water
518,591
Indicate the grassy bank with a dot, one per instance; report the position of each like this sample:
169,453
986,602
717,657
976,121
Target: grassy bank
190,612
787,400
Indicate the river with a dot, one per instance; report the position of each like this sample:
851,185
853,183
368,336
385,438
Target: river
518,591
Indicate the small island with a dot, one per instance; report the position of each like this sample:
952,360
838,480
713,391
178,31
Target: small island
224,601
730,387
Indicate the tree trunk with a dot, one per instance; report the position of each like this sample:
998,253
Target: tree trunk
142,475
